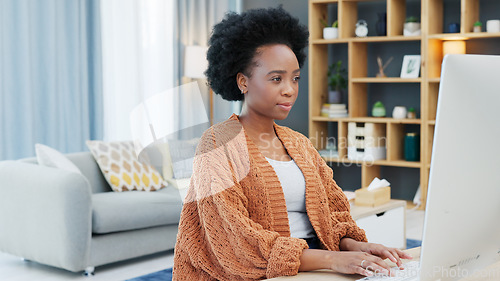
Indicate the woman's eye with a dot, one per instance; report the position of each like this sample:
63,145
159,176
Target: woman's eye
277,79
296,78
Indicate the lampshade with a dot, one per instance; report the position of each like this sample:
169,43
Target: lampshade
453,47
195,61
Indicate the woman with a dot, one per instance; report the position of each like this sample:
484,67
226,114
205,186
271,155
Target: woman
262,203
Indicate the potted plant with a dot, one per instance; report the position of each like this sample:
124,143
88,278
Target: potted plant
337,81
330,32
478,26
411,26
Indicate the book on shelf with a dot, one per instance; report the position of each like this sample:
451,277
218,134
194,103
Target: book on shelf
331,110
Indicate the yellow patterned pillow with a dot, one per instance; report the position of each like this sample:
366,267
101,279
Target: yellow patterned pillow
118,162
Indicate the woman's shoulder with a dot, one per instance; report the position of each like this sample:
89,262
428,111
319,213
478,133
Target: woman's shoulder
220,134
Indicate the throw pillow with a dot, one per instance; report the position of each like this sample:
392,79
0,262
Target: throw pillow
47,156
182,154
118,162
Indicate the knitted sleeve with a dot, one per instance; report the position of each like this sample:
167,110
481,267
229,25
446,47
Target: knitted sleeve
216,237
339,206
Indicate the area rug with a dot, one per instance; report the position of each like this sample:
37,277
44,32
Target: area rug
163,275
166,274
412,243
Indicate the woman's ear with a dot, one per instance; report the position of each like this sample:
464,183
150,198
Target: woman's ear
242,81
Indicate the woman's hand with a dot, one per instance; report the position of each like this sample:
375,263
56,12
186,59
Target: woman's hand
359,263
393,254
343,262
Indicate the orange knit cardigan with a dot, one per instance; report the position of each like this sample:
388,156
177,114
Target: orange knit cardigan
234,223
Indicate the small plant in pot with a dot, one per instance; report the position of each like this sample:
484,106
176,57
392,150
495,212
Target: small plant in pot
411,26
330,32
478,26
337,81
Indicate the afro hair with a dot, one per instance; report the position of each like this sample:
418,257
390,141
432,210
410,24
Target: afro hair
235,40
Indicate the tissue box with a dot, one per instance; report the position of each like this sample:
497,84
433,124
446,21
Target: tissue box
365,197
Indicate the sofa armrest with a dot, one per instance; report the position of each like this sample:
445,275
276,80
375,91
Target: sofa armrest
45,214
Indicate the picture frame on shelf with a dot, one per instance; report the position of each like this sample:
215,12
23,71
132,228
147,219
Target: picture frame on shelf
411,66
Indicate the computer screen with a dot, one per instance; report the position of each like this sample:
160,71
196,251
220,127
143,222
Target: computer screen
462,221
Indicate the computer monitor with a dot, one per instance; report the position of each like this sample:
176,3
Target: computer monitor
462,220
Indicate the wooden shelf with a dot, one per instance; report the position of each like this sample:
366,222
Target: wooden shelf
360,0
324,1
464,36
368,39
432,122
434,80
386,80
368,120
330,41
386,38
397,163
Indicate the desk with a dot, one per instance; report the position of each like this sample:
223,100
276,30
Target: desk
491,273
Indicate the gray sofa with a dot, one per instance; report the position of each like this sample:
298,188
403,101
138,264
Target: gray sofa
76,222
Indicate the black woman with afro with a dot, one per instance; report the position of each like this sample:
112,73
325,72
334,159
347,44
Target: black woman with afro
262,203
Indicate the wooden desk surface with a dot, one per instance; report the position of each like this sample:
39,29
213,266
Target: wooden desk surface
491,273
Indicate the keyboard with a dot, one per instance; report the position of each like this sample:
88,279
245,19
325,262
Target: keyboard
409,273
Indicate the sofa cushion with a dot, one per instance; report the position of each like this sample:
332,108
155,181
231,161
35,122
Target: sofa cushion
118,162
121,211
50,157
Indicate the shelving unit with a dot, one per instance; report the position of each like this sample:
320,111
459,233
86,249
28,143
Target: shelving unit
430,45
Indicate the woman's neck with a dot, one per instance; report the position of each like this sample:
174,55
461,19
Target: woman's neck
256,125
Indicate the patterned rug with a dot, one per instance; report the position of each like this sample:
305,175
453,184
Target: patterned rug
411,243
166,274
163,275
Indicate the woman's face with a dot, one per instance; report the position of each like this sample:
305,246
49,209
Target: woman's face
273,84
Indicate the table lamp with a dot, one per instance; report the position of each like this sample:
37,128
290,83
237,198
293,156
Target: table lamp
195,63
454,47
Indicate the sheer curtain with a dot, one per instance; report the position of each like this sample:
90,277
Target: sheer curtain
138,54
50,75
143,55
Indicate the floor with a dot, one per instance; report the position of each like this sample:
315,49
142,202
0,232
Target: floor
14,269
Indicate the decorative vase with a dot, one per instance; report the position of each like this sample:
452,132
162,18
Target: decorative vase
378,109
411,29
412,147
334,97
454,27
381,25
493,26
330,32
399,112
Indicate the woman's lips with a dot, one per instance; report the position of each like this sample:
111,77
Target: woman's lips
285,106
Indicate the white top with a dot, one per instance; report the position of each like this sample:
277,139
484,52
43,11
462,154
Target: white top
294,187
